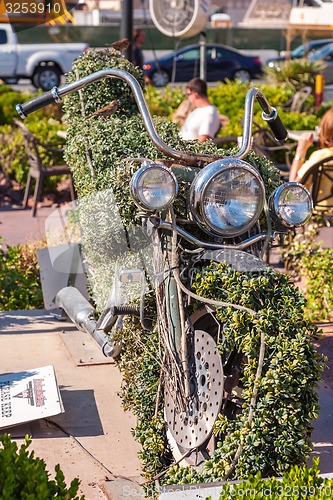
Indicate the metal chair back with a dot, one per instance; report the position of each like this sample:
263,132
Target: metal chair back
319,179
37,169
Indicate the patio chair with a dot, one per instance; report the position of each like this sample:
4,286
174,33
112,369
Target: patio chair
297,101
278,154
37,169
319,180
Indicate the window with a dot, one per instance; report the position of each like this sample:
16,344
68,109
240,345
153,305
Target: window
190,55
3,37
216,54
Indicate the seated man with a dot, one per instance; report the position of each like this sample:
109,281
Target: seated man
203,122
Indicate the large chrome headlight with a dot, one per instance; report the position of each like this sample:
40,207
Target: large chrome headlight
153,187
226,197
291,204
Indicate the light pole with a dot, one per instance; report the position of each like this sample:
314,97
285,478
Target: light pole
126,27
203,57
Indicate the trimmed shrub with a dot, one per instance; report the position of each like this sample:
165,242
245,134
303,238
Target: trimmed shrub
299,482
20,286
22,475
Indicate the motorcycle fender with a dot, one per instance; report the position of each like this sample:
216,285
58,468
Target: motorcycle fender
236,259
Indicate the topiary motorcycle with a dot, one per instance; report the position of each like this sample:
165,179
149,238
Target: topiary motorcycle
218,361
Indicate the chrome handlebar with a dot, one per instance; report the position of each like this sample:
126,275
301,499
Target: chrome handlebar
269,114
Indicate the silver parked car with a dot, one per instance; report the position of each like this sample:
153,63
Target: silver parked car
325,54
303,50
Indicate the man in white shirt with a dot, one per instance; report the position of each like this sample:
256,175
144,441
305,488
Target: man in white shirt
203,122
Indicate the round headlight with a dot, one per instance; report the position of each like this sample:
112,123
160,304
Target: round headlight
154,187
227,197
292,204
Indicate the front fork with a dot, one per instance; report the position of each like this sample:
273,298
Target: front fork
174,320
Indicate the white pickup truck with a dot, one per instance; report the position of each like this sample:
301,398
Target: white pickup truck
42,64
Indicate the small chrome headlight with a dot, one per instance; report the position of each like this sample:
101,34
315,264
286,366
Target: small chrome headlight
226,197
292,204
153,187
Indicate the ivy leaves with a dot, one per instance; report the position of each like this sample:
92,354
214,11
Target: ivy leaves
287,400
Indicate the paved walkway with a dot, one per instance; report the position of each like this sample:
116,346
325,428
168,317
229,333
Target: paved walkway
92,439
18,226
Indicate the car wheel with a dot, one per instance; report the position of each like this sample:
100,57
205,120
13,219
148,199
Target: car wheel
160,78
243,75
46,77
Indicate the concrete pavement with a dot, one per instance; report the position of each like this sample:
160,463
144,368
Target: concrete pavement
92,439
18,226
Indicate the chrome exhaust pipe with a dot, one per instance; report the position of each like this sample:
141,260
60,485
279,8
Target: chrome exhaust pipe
82,314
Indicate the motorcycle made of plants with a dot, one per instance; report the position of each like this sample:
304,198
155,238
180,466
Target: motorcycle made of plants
218,361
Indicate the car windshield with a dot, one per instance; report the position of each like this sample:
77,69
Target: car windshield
309,48
298,52
321,53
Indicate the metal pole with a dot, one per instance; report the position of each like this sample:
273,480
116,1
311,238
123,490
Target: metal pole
319,90
126,27
203,59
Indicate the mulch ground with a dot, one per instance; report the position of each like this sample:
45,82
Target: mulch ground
11,193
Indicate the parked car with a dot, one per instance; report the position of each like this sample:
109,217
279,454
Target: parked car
325,54
184,64
43,63
300,51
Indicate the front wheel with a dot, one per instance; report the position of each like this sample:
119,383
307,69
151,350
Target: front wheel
243,75
216,388
46,77
160,78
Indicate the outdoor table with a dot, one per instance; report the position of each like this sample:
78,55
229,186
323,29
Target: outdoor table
296,134
62,133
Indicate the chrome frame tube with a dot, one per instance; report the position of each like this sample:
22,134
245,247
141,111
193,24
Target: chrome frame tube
212,246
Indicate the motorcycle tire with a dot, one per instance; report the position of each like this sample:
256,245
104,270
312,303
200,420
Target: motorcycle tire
195,430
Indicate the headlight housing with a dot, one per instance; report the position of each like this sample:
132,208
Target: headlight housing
291,204
153,187
227,197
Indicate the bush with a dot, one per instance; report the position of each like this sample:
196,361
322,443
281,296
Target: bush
20,286
8,100
304,256
295,73
24,476
299,482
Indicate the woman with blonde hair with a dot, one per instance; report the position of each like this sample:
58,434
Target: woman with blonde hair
299,166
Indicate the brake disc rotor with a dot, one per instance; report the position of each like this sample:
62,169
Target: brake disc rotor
191,426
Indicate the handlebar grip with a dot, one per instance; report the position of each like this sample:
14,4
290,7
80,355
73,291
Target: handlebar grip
36,103
275,124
